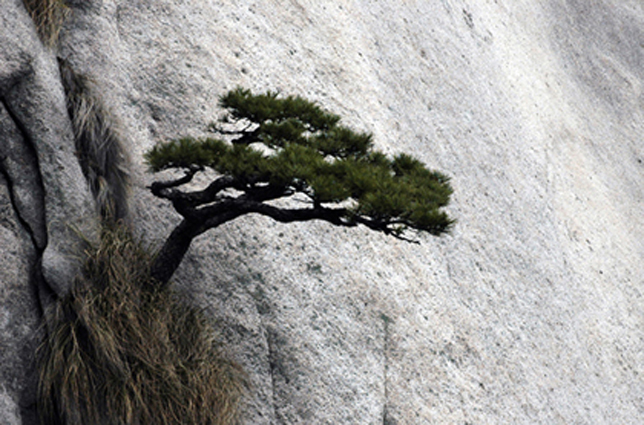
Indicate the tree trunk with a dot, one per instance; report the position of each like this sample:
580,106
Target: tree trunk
175,247
172,252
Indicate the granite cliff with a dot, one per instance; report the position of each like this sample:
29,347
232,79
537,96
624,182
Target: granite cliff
531,311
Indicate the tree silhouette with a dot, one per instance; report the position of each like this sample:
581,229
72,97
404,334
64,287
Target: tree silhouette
288,159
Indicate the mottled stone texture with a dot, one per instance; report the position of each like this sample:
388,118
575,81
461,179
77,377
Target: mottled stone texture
43,196
530,312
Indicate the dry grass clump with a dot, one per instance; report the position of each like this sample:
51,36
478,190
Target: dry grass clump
119,351
99,142
48,15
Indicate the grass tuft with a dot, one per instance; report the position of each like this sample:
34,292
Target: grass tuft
99,142
120,351
49,16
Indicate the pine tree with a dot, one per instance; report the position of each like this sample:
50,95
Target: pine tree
272,148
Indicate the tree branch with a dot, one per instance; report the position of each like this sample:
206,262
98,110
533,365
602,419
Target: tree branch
160,188
246,136
267,193
209,194
186,203
211,216
383,226
176,245
334,216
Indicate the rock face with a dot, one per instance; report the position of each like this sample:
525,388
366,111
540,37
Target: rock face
530,312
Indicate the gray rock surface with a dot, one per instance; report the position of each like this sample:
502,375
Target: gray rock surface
530,312
43,196
53,198
19,316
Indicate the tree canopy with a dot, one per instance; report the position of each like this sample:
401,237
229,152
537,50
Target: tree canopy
271,148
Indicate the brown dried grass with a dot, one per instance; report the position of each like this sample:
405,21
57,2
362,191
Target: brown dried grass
120,351
49,16
100,144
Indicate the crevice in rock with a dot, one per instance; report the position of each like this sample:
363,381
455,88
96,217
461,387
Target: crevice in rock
387,418
272,367
20,170
23,153
263,309
19,167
